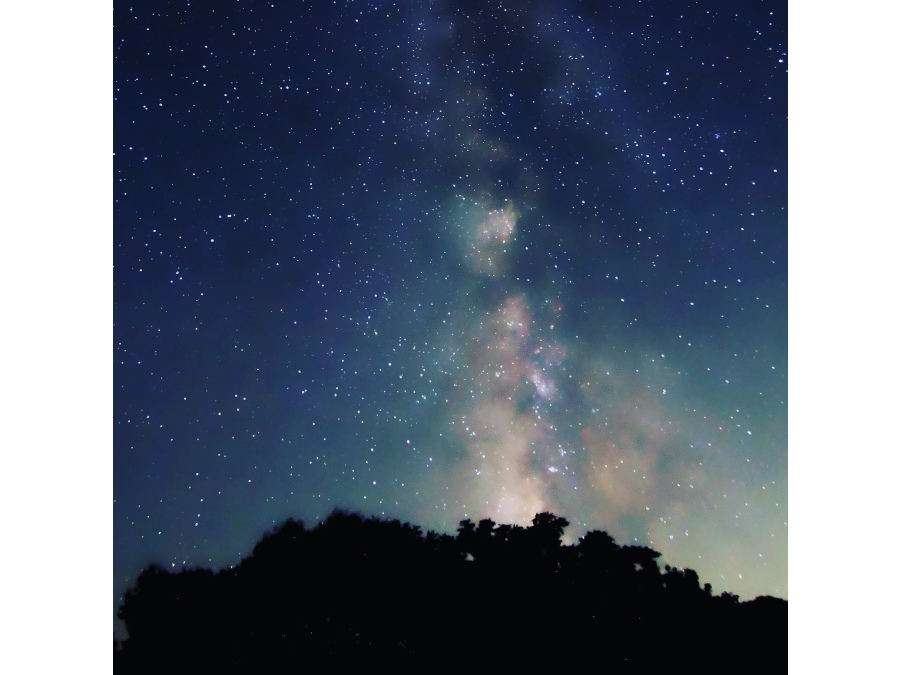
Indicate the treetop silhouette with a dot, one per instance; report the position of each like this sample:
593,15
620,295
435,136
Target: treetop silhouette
361,591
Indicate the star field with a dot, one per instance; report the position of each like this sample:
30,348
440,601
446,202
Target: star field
451,260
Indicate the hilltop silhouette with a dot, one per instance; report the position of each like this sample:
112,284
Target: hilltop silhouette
357,591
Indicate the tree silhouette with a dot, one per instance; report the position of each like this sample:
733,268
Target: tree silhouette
549,527
360,592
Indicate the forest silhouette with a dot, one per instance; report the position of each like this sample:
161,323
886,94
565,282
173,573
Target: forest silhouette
357,591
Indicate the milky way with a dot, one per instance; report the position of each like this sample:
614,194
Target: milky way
444,260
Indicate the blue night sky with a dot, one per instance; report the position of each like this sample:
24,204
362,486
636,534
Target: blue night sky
446,260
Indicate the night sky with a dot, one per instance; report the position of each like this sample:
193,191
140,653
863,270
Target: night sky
446,260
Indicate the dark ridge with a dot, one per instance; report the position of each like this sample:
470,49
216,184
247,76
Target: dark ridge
357,591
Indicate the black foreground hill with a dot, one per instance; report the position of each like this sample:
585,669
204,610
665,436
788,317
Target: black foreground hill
358,591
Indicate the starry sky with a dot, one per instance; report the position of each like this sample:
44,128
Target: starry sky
446,260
